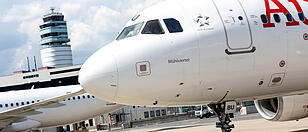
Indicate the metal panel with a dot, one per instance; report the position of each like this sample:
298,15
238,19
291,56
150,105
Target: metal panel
236,24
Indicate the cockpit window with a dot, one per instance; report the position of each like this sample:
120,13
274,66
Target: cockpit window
173,25
130,31
153,27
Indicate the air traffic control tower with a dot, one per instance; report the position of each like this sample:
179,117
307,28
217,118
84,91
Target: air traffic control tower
55,50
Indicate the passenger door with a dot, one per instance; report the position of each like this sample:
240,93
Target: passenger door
236,24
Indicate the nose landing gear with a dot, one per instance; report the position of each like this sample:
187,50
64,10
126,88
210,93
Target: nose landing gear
224,111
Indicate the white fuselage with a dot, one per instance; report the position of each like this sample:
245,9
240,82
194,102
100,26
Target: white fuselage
71,110
225,52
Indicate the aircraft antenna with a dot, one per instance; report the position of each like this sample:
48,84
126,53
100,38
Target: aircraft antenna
52,9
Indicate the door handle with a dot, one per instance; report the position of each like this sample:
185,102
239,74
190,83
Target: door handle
241,52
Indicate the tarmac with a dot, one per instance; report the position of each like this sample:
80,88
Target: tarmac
247,123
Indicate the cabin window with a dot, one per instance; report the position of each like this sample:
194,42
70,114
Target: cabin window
153,27
93,97
12,104
1,106
301,16
173,25
78,97
130,31
89,96
31,76
264,19
69,99
289,17
83,96
22,103
6,105
33,101
28,102
74,98
17,104
277,18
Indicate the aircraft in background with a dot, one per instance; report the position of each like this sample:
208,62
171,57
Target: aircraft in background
211,52
47,107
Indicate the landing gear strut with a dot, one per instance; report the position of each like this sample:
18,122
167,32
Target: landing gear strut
224,118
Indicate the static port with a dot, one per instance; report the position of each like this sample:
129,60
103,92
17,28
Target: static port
261,83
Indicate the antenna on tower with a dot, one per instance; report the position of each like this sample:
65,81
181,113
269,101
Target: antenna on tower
52,9
28,64
35,66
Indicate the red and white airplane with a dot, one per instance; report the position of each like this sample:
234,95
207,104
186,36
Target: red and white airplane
216,52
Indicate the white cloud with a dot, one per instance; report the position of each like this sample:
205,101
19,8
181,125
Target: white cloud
23,12
95,27
30,48
28,17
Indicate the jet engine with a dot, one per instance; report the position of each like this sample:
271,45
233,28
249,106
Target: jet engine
22,126
283,108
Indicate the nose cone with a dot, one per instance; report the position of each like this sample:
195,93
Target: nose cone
98,75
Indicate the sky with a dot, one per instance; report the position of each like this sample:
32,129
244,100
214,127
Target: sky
91,25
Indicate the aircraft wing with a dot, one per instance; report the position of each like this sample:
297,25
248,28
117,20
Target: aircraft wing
19,114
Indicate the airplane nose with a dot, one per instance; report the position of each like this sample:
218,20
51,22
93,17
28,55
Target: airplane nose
98,75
